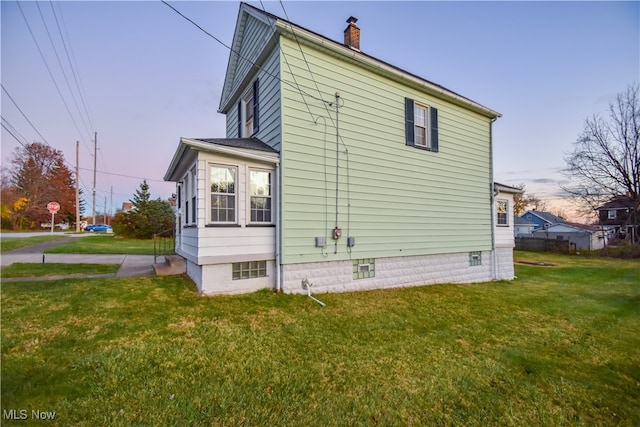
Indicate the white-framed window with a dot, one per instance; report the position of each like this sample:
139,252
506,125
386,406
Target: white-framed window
223,193
421,125
260,196
611,214
247,130
248,112
194,194
185,188
502,212
189,189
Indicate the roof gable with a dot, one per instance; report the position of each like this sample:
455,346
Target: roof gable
259,27
282,27
618,202
522,222
546,217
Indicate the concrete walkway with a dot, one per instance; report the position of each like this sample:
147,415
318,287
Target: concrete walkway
130,265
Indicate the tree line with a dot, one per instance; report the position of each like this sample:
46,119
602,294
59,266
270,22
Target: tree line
39,174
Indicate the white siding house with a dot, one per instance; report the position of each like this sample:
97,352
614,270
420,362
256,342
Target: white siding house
581,237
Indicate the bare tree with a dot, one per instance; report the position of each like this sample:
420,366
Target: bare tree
605,161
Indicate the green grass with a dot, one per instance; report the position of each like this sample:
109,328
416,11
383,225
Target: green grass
558,346
104,244
8,244
56,269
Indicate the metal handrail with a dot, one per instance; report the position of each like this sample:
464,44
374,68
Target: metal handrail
161,241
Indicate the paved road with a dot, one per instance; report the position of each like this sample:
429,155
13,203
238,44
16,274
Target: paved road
130,265
40,233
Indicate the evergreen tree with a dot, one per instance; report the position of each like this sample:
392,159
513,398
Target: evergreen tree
147,218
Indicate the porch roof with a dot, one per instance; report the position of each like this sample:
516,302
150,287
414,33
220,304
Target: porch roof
248,148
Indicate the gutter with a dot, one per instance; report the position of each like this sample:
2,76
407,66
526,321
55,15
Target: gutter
278,228
381,67
494,261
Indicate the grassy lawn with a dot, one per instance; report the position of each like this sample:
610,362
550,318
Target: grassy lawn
8,244
18,269
104,244
558,346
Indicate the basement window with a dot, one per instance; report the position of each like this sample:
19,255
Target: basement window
249,270
475,258
364,268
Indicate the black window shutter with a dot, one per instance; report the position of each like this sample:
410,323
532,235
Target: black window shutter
408,121
434,128
256,102
239,119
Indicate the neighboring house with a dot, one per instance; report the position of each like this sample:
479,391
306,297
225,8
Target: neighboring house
523,227
542,220
580,236
350,173
617,216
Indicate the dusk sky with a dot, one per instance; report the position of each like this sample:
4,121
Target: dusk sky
148,76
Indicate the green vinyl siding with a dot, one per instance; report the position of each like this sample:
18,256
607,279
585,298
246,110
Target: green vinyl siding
403,201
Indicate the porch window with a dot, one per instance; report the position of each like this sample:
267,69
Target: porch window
611,214
190,192
194,192
502,212
223,194
260,183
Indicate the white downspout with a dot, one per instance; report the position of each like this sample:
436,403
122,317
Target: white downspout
493,203
278,205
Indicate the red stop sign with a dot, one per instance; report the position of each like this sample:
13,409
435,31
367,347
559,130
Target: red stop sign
53,207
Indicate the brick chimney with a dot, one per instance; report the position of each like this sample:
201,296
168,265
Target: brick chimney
352,34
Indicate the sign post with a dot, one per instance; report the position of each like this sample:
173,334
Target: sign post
53,207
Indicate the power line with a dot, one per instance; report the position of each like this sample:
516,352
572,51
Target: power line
51,74
304,58
125,176
11,133
64,74
23,114
75,77
269,73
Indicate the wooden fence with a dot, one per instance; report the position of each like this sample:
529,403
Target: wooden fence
544,245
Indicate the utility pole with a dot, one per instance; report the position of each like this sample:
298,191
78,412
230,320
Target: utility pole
77,186
104,215
111,206
95,159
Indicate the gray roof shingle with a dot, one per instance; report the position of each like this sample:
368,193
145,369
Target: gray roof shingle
247,143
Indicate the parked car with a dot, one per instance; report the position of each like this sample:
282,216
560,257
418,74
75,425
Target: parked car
99,227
